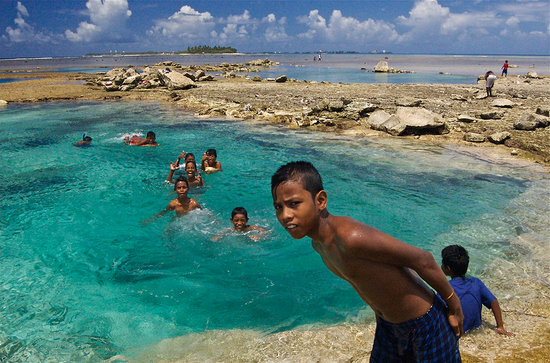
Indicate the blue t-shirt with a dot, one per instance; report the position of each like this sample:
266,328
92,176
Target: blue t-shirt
472,293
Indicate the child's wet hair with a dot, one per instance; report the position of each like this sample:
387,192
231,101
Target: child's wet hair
300,171
87,138
151,134
212,152
456,258
188,155
192,163
181,178
239,210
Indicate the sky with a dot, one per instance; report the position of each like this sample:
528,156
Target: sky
49,28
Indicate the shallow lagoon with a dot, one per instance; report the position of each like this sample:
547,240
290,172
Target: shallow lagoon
83,279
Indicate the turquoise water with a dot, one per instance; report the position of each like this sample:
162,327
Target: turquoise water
83,279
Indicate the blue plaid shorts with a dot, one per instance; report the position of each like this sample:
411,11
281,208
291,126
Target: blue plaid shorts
428,338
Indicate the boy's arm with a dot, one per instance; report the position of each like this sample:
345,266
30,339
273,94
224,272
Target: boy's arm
372,244
495,307
173,168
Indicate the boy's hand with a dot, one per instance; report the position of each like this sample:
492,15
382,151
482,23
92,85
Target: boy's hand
502,331
182,155
173,166
455,315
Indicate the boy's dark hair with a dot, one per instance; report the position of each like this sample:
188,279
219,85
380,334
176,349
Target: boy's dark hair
151,134
189,155
239,210
212,152
456,258
87,138
301,171
191,162
181,178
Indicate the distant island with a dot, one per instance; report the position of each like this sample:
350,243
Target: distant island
200,49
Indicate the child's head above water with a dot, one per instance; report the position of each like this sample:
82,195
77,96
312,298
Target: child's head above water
181,179
189,157
455,258
151,135
298,171
212,152
239,210
239,218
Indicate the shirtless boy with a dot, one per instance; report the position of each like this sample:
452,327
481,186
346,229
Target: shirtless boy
150,140
239,218
209,164
194,177
413,325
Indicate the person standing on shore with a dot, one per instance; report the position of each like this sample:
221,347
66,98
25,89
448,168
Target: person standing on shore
490,78
505,69
412,323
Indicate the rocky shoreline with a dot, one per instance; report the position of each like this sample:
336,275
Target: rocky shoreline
514,122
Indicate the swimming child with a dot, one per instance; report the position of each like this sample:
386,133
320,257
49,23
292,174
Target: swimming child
86,141
194,176
239,218
413,324
150,140
471,291
186,157
209,164
182,204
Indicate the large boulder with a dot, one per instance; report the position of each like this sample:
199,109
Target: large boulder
420,120
382,66
407,121
175,80
499,137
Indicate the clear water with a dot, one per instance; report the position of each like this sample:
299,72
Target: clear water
83,279
334,68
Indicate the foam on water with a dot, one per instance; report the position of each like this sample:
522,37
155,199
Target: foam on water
83,279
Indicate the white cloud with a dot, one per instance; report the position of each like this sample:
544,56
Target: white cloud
108,22
24,32
187,23
512,21
275,31
341,29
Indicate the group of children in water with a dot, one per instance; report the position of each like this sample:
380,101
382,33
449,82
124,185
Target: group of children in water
413,323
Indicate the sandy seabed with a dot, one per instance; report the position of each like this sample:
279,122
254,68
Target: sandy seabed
526,312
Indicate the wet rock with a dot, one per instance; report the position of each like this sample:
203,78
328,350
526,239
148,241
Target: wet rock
499,137
206,78
474,137
257,79
281,79
199,74
503,103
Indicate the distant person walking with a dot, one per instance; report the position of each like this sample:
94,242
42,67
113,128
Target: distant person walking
505,69
490,78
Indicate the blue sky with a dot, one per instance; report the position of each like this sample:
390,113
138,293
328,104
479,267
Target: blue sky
40,28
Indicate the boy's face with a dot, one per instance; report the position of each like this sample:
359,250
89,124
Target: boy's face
296,209
190,158
181,188
239,221
190,169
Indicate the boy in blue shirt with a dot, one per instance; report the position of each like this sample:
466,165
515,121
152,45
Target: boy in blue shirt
471,291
